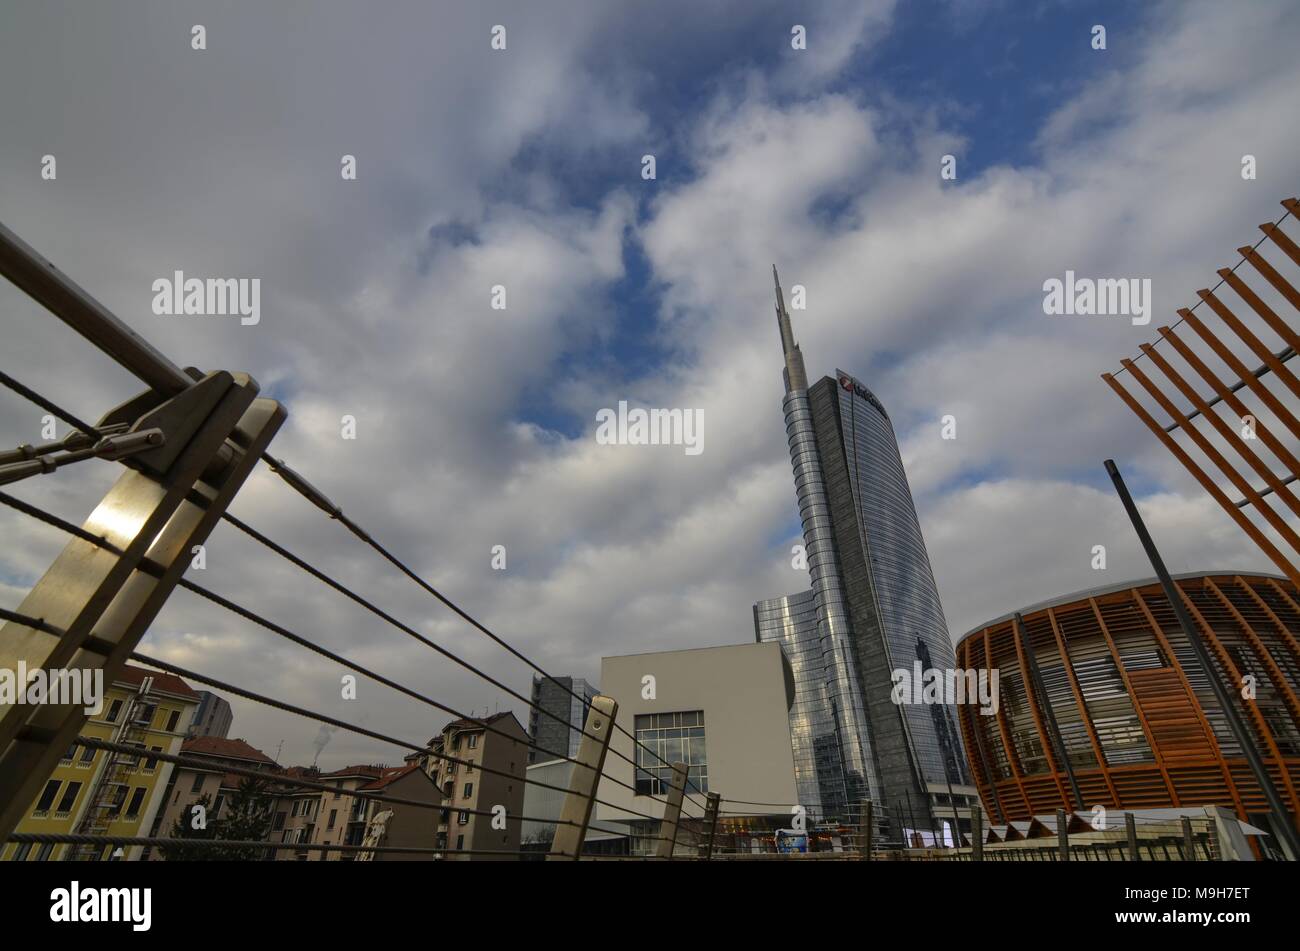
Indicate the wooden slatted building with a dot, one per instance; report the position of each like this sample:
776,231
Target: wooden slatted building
1138,722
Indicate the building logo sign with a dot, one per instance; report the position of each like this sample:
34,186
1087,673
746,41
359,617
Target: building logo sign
857,389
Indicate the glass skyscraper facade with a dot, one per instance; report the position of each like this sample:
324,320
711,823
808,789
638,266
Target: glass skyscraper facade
566,700
791,621
873,608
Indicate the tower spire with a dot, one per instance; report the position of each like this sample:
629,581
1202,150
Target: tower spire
796,377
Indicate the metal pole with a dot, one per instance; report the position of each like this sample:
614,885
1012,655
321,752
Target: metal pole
956,819
987,769
36,276
672,813
864,829
911,819
1040,690
1063,834
712,804
1282,822
976,834
1189,841
575,815
1131,830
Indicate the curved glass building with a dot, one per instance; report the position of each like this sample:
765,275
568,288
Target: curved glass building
873,608
791,621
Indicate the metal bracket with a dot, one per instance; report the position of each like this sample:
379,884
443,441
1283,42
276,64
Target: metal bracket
166,501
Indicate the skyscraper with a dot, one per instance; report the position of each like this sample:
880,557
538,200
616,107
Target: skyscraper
873,608
560,732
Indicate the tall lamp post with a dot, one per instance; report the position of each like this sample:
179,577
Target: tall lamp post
1282,824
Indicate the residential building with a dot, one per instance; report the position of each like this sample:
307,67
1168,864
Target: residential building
404,826
466,787
723,712
565,699
294,815
334,818
214,716
873,608
106,793
190,784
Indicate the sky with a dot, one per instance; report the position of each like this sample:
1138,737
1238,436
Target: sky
523,167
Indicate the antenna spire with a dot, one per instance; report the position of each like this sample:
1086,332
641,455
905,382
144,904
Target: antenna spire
796,378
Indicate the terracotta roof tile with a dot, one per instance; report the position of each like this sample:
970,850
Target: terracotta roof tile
220,746
162,681
391,775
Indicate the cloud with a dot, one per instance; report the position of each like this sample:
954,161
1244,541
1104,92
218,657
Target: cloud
523,170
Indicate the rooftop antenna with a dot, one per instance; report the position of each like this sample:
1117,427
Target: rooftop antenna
795,376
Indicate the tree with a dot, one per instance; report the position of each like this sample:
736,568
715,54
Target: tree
247,818
539,840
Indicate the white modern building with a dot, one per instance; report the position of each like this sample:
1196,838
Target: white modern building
723,711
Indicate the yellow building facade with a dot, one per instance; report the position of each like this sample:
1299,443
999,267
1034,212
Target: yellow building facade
103,793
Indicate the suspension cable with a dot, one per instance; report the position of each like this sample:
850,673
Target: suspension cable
309,492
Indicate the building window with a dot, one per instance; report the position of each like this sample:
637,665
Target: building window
198,784
47,797
473,741
69,798
172,720
131,761
666,738
44,854
21,851
469,790
144,716
460,842
278,822
216,807
67,757
113,710
87,757
463,820
334,814
152,762
137,798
